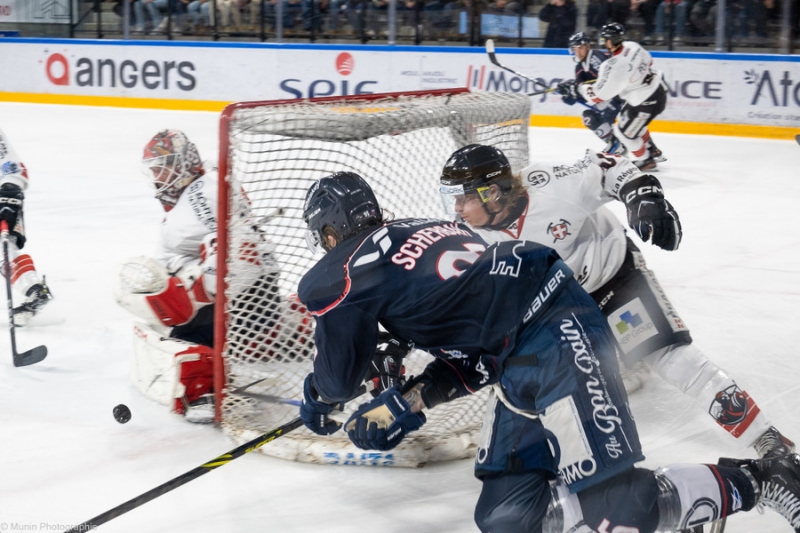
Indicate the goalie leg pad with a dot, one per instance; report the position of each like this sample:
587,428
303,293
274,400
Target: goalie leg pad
170,371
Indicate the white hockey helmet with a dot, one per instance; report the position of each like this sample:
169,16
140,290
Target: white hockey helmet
171,162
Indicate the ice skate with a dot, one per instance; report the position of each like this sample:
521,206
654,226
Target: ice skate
772,444
655,153
200,411
646,164
36,297
778,481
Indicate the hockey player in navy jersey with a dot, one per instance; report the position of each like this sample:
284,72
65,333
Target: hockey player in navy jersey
510,316
563,206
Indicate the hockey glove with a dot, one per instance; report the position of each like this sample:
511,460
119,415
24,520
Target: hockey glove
383,422
11,198
387,369
649,214
568,91
314,411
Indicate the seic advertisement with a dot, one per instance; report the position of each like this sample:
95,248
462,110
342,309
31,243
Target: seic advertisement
707,88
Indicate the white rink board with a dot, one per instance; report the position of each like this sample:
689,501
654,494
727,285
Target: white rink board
711,88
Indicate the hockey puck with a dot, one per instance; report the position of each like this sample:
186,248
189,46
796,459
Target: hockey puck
122,414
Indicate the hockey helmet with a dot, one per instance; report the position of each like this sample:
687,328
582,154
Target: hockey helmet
578,39
171,162
473,170
343,202
615,32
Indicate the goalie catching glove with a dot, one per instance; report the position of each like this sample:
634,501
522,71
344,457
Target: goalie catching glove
383,422
649,214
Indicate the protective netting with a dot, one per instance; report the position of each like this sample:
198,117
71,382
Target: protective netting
399,144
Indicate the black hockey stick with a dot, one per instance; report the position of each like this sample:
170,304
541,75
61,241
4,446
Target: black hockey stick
33,355
490,51
797,138
195,473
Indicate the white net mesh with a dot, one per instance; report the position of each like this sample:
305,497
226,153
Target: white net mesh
399,144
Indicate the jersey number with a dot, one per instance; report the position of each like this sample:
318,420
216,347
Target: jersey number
446,266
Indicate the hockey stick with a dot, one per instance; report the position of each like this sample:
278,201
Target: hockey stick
34,355
195,473
797,138
490,51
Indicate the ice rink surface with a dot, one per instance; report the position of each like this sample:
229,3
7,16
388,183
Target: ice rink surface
735,281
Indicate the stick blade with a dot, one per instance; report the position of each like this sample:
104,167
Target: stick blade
31,357
797,138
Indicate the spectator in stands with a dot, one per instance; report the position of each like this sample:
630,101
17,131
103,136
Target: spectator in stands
757,11
562,17
647,10
703,16
230,14
602,12
678,18
201,15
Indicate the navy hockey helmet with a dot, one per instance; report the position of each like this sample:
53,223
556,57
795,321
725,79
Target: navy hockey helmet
615,32
342,203
473,170
578,39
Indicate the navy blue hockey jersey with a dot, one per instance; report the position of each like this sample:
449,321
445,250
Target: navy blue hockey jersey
433,283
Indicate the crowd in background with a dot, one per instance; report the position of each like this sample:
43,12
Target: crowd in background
684,23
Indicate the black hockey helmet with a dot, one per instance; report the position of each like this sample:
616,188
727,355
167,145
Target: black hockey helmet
343,202
578,39
472,170
615,32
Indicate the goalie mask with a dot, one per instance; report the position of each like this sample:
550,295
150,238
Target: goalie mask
472,170
171,161
340,205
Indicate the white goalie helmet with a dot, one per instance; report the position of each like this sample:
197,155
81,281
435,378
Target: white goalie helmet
171,162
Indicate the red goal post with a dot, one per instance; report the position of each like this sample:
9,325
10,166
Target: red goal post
273,151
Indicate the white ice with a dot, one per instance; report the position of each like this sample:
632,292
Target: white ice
65,460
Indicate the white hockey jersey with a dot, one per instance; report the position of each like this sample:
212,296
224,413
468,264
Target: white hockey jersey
628,73
12,170
189,229
565,212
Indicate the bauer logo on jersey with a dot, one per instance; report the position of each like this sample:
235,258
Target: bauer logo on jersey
560,230
538,178
632,325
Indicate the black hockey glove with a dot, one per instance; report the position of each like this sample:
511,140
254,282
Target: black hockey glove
387,369
315,411
568,91
649,214
11,198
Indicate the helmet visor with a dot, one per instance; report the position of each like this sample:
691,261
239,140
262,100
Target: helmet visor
454,197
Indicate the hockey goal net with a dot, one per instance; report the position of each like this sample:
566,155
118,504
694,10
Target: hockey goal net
274,151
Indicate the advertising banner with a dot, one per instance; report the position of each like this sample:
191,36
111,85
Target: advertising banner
712,88
36,11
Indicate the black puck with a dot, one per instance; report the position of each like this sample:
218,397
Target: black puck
121,413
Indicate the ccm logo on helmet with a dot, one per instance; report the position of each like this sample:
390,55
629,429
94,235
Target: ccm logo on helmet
641,191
